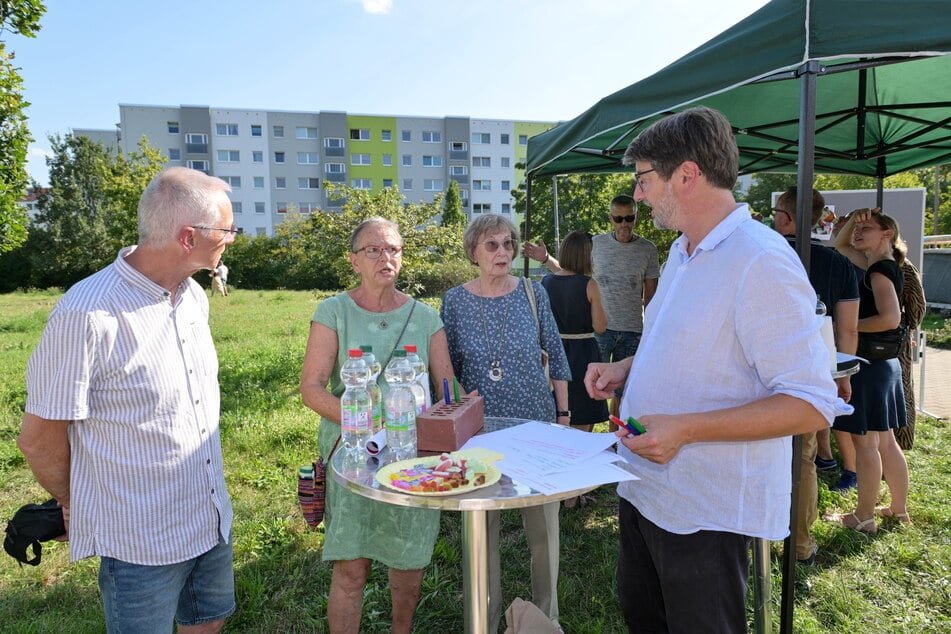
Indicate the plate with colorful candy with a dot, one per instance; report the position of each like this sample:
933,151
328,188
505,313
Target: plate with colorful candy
446,474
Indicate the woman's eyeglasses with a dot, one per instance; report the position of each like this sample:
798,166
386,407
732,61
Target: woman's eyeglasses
492,246
620,219
374,253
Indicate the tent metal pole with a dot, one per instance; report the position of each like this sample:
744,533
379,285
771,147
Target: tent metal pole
528,220
554,198
807,150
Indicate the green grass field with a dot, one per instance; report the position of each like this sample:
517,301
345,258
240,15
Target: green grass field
898,581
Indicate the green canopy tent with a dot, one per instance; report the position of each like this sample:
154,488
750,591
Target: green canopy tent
833,86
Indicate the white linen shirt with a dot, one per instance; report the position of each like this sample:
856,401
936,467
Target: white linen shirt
138,377
731,324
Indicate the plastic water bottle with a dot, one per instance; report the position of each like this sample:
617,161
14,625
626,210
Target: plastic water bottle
399,407
420,384
373,386
356,424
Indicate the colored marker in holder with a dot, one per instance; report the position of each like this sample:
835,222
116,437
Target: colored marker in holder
455,389
631,425
445,390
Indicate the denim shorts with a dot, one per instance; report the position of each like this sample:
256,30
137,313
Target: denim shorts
141,599
616,345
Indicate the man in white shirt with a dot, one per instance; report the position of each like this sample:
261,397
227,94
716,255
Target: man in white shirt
731,365
121,421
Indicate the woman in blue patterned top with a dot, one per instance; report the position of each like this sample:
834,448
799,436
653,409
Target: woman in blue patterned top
494,346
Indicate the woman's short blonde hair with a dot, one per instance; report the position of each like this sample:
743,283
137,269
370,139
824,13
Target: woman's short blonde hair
487,223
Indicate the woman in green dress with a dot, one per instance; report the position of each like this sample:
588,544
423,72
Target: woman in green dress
356,529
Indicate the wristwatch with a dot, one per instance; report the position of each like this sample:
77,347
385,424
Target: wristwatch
563,412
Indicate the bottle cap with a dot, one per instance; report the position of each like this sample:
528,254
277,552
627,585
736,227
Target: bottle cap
399,353
366,349
355,353
410,349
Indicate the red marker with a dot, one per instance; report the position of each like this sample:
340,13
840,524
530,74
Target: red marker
631,425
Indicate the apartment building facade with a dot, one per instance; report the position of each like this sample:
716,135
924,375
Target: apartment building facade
280,161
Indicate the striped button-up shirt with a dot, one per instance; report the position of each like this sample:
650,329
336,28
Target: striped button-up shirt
137,374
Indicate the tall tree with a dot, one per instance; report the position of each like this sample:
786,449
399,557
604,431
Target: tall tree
91,210
452,214
21,17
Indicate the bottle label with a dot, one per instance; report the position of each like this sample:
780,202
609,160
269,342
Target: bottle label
352,419
396,421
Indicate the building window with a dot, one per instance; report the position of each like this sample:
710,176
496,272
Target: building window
234,181
236,207
406,135
196,143
281,207
334,168
306,208
172,127
259,208
259,182
481,208
278,131
458,170
226,129
387,160
308,183
333,142
305,133
481,137
432,161
201,166
504,139
506,208
280,182
481,161
433,184
505,161
229,156
174,154
255,130
458,146
407,184
361,183
482,185
359,134
506,186
432,136
464,194
523,139
278,157
407,160
308,158
257,156
387,182
386,135
360,159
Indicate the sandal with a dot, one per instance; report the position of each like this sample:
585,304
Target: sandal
851,520
886,512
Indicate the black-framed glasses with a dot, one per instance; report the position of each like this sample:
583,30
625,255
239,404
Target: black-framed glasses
233,230
637,178
620,219
492,245
777,210
375,253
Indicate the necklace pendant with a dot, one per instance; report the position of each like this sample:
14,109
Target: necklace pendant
495,373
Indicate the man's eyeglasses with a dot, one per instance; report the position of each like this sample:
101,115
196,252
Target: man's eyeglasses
780,211
233,230
620,219
637,178
374,253
492,246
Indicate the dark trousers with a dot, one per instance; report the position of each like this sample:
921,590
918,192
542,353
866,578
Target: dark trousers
680,583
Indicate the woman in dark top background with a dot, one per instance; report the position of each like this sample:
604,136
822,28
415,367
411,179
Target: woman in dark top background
877,393
576,302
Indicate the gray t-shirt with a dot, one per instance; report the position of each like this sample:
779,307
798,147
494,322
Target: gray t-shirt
620,269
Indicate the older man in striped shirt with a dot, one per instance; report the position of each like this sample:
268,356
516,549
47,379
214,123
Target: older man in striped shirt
121,422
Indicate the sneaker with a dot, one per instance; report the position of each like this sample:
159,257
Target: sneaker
846,481
811,559
826,466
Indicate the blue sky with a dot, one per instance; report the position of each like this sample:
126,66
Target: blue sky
497,59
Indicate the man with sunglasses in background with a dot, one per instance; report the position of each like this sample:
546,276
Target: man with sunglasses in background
626,267
121,417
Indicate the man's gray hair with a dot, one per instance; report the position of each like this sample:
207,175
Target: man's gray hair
178,197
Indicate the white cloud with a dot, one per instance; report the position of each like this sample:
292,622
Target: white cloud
36,152
377,6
